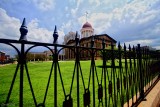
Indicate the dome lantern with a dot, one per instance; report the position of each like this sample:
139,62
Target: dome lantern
87,30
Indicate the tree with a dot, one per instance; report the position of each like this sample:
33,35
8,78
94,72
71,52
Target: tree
30,57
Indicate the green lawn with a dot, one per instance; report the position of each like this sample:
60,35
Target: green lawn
39,73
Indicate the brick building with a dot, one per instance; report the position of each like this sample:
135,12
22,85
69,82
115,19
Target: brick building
87,33
3,57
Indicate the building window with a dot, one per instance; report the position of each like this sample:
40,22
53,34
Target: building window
87,34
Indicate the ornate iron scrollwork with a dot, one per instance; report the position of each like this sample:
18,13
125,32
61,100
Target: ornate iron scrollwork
68,101
86,97
118,84
124,81
100,92
110,87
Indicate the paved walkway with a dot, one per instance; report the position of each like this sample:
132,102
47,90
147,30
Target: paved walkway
153,97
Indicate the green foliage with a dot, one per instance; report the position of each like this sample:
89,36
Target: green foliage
30,57
109,47
36,57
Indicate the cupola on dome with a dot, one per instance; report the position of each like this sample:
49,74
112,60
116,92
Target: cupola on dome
86,25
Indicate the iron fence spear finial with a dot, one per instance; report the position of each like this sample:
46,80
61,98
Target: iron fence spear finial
103,43
119,46
92,42
124,46
55,35
133,48
129,47
77,39
23,29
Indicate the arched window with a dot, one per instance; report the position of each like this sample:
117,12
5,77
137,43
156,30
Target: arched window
87,34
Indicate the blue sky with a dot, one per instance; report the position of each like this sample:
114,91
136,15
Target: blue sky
127,21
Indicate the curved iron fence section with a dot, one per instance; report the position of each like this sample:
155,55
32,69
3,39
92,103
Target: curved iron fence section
126,75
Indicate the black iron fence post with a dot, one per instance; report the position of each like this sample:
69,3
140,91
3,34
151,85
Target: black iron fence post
92,69
141,72
55,36
121,74
22,59
104,68
126,80
77,62
22,62
113,71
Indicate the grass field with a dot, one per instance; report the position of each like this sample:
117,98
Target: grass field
39,73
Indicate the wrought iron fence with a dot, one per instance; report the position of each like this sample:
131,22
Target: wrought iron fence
125,76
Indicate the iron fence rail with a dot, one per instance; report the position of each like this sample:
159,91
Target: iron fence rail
126,74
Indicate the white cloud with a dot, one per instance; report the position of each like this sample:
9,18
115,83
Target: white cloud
157,28
75,10
79,2
66,8
157,47
67,25
9,26
100,21
129,23
61,36
148,16
38,34
154,43
35,33
44,5
96,2
144,42
42,34
10,30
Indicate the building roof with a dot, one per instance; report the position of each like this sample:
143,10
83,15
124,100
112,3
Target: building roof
97,37
86,25
2,52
